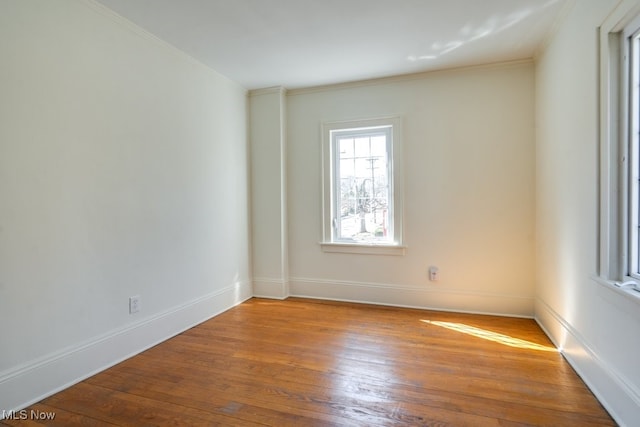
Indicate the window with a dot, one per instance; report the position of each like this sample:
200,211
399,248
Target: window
631,49
620,152
362,187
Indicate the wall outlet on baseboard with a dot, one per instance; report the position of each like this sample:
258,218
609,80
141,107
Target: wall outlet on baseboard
134,304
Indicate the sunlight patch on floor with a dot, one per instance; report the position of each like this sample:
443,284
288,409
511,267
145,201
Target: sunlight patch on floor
491,336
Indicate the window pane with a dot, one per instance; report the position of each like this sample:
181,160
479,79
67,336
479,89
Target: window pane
347,168
364,195
634,161
346,147
379,146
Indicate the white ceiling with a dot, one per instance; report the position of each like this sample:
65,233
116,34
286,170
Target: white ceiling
301,43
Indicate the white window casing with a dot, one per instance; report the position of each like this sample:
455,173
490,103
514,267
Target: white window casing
362,187
619,258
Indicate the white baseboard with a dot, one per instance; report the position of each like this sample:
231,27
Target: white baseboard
270,288
38,379
414,297
616,394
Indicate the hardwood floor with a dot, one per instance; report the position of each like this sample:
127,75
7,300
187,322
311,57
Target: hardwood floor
306,363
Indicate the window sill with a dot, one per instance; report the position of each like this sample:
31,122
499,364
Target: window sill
629,293
364,249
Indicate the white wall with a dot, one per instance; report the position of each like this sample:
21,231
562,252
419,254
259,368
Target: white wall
123,171
269,241
596,328
469,191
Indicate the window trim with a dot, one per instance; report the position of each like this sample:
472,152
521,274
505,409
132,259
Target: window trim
328,243
614,212
630,97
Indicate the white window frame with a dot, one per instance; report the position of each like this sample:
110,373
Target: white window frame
619,113
330,243
630,47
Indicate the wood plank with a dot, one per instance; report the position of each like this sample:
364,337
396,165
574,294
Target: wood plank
306,362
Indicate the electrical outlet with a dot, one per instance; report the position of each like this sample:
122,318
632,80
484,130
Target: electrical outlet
134,304
433,273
